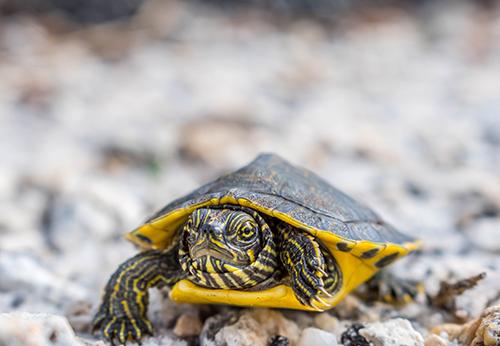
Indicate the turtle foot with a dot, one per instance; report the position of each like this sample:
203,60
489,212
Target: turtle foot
391,289
121,329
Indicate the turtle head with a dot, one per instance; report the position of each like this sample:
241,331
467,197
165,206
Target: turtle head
228,235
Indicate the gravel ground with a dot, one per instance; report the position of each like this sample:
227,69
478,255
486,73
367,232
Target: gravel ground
100,126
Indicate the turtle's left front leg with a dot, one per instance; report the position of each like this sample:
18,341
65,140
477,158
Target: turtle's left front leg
122,314
312,270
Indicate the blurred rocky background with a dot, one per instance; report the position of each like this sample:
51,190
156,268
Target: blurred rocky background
108,110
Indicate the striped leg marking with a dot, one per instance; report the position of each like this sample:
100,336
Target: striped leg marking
313,271
122,314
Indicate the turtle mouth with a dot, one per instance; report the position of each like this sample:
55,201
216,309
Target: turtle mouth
207,249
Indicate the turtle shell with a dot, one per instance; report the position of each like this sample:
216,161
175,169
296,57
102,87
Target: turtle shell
295,195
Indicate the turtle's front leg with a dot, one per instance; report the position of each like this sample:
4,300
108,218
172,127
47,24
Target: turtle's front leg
312,274
122,314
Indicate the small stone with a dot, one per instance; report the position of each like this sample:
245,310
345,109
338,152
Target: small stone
350,308
317,337
435,340
159,340
484,234
484,330
274,323
255,327
187,325
245,332
279,340
351,336
397,332
327,322
488,332
22,328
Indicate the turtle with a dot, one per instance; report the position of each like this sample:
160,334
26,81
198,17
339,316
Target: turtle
269,234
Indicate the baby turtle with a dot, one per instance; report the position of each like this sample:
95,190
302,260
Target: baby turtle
269,235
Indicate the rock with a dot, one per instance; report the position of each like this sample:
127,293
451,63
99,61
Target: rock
80,316
279,340
397,332
350,308
252,328
351,336
159,340
22,328
327,322
213,325
187,325
484,234
317,337
29,277
274,323
488,332
435,340
245,332
484,330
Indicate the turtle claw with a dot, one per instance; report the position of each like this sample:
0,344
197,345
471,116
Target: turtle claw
313,305
322,271
325,292
321,301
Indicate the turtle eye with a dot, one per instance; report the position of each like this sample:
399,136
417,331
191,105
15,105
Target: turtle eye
247,232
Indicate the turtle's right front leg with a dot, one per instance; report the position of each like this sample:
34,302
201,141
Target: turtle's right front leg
122,314
313,271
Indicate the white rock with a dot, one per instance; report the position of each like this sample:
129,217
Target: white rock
317,337
162,340
484,234
254,328
327,322
435,340
25,274
396,332
22,328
